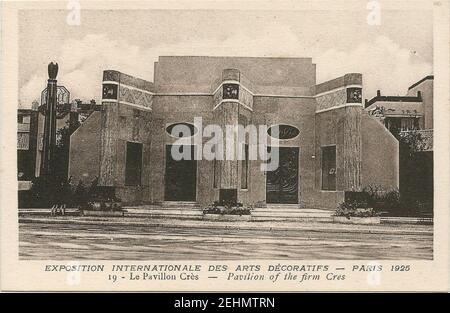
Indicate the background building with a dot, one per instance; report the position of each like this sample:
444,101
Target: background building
30,134
410,118
27,134
410,112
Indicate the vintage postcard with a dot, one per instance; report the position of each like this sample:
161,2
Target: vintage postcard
225,146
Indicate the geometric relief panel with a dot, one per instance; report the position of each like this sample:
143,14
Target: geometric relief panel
246,98
135,96
218,96
331,99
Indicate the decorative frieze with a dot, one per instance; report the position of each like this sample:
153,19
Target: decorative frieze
334,99
119,87
245,97
218,97
329,100
135,96
127,95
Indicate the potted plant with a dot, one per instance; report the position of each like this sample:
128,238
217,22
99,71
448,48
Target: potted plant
356,212
227,211
101,201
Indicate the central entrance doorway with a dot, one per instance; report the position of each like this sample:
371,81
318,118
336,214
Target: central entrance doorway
282,183
180,175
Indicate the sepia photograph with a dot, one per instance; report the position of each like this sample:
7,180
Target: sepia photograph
350,121
243,133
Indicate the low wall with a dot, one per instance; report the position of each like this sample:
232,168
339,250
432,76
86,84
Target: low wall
380,155
84,155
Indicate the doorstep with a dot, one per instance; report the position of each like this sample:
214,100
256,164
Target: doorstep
102,213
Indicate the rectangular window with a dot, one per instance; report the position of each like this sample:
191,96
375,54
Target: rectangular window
329,168
244,169
133,165
23,141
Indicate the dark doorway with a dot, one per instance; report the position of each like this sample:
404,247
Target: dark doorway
133,164
181,175
282,183
329,168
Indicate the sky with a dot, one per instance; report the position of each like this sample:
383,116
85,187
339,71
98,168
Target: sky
391,56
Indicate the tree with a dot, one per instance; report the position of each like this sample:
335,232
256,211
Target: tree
61,165
414,170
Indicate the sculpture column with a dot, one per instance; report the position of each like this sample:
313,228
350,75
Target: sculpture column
49,140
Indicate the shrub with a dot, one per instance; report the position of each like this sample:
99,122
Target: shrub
380,199
97,197
41,192
390,202
80,195
46,191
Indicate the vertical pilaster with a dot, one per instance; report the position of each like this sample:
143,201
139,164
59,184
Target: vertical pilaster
109,128
228,119
109,137
230,98
352,148
227,115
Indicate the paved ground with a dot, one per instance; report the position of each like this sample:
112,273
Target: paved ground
65,240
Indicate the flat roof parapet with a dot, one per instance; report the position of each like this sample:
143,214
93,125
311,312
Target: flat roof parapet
261,75
380,98
125,79
346,80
